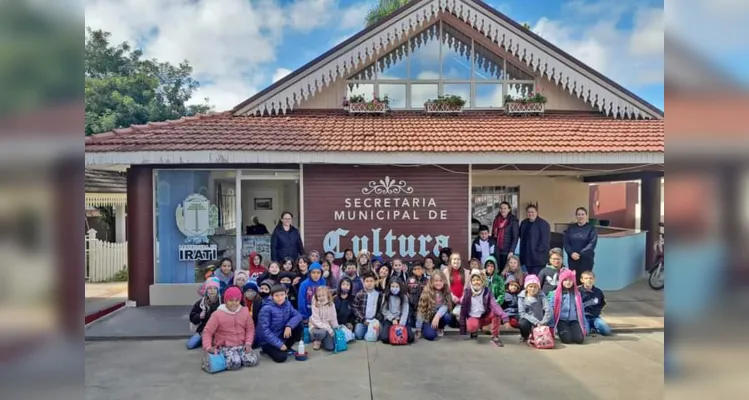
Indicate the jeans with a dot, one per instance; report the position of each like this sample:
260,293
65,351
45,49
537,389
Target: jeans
430,333
194,341
360,330
279,355
570,332
598,324
321,335
385,332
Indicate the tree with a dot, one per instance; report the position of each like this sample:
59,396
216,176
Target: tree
123,89
382,10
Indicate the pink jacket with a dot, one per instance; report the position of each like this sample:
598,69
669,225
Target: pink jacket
226,328
324,317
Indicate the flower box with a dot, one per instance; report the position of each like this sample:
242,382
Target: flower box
367,108
442,108
524,108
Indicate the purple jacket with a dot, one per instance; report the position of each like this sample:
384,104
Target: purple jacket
272,321
490,306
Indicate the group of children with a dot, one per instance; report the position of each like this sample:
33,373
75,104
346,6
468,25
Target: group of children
270,309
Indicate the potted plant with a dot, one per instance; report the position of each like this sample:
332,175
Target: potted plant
533,103
448,103
356,104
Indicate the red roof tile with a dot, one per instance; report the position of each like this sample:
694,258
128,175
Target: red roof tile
336,131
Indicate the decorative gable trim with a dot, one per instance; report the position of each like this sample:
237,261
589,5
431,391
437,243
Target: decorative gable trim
550,62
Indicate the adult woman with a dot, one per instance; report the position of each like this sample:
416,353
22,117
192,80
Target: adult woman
506,229
286,240
580,241
535,238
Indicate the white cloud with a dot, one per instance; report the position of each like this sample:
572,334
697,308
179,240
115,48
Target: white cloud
306,15
280,74
630,57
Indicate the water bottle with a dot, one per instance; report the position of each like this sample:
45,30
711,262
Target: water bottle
300,349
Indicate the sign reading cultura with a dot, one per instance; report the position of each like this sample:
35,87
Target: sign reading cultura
393,203
197,219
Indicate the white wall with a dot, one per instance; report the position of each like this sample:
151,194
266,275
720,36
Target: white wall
285,195
557,197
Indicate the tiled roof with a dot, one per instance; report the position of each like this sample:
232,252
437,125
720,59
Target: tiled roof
104,181
336,131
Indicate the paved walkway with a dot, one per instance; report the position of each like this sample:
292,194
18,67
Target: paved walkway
619,367
632,310
100,296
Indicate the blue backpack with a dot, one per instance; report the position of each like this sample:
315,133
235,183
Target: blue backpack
340,341
306,337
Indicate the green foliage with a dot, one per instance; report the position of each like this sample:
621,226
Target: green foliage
382,10
449,99
536,97
120,276
123,89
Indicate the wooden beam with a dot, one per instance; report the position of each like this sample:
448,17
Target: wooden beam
625,176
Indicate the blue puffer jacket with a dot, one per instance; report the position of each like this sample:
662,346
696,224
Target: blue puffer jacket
272,321
307,295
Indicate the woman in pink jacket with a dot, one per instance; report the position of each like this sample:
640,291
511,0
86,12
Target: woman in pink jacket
230,330
323,320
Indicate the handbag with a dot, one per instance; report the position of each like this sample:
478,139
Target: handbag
340,341
542,338
350,337
373,331
214,362
398,335
194,341
306,337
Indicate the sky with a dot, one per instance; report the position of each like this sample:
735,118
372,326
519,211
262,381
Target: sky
239,47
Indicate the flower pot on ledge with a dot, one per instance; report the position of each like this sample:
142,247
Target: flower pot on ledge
442,108
524,108
367,108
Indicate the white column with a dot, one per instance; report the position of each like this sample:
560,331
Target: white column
120,224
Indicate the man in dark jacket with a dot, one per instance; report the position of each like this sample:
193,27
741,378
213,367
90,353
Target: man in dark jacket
535,241
286,240
484,246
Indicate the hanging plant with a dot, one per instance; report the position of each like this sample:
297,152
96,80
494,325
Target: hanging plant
357,104
445,104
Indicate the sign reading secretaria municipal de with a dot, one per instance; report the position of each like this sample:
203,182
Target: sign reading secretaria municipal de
197,219
389,211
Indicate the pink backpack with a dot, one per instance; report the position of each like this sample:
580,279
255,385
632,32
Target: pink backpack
542,338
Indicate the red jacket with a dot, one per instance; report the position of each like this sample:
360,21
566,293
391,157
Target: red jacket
255,270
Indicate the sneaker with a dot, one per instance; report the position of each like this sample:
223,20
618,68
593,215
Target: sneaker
523,339
497,341
316,345
440,332
474,335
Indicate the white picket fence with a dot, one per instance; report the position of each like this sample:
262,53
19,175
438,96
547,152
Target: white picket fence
103,259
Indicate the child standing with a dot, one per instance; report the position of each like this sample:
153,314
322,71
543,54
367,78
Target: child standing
433,310
323,320
444,258
308,288
549,276
510,301
335,268
399,269
429,264
252,300
350,270
484,246
287,265
202,310
230,330
240,278
256,265
342,300
364,263
279,325
416,284
513,268
593,302
494,280
225,275
327,274
273,272
479,308
395,310
348,255
366,306
567,306
533,307
383,278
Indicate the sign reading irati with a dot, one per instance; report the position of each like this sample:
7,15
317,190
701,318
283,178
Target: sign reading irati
409,212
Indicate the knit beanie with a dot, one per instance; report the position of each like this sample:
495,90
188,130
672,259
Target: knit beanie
232,293
268,282
251,285
532,279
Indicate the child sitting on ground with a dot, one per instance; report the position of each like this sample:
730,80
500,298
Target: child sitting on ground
251,299
433,310
366,306
549,276
343,301
593,302
533,307
230,331
479,308
323,320
202,311
395,310
567,309
279,325
416,284
264,288
510,301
